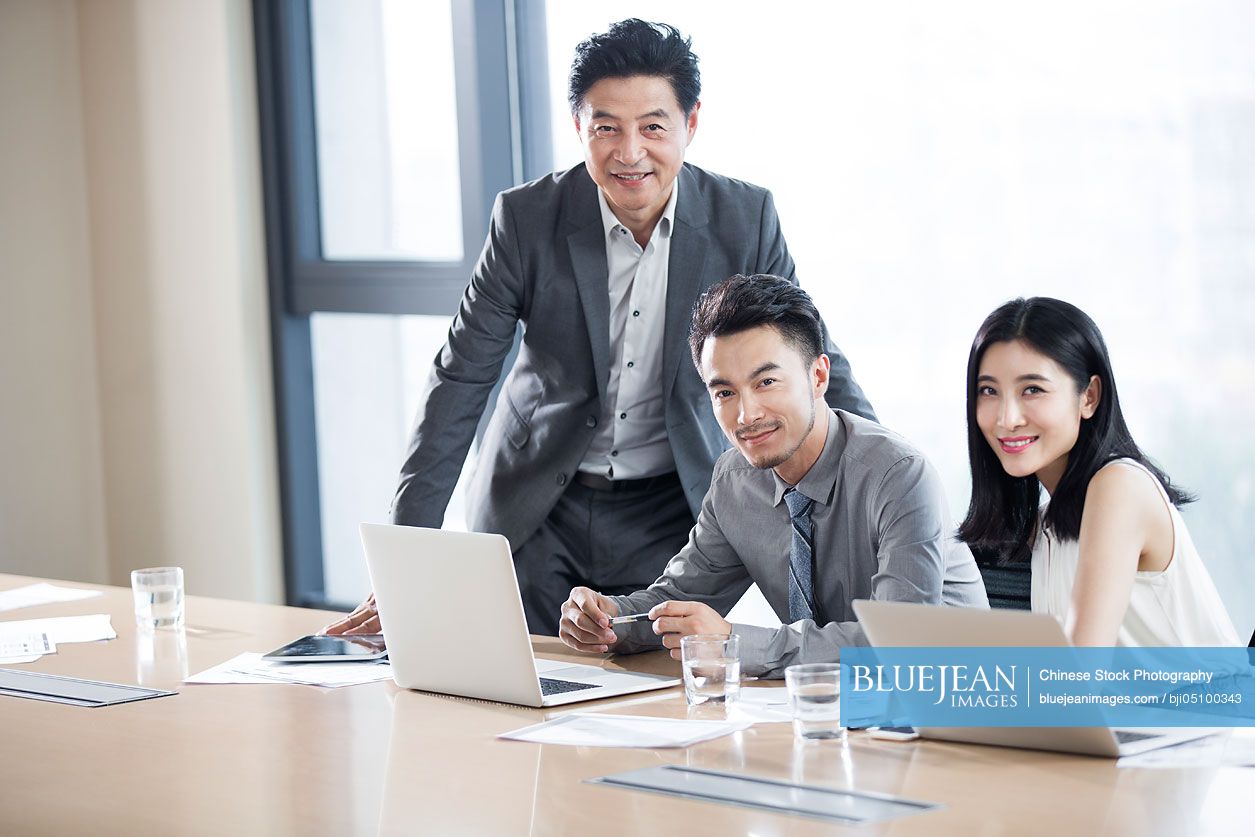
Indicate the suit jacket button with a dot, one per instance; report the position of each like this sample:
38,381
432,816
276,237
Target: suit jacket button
592,421
561,479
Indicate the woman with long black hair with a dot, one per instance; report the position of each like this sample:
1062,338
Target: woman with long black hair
1111,556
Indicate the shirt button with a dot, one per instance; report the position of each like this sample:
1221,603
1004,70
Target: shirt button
622,415
614,453
561,479
636,313
591,421
631,364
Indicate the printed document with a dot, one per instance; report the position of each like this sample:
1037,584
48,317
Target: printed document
1232,748
25,648
251,668
597,730
62,629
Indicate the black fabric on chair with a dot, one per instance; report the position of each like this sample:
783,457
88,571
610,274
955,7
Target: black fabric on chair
1007,586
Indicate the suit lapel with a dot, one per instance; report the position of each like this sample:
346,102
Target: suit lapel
586,241
689,243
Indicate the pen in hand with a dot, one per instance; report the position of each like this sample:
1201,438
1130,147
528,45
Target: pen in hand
634,617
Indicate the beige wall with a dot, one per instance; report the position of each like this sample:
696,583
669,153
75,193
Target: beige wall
51,496
149,284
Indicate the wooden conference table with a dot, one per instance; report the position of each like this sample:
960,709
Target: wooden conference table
288,759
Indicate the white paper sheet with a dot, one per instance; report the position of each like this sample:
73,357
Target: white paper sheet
764,696
24,648
765,705
26,645
234,670
42,593
251,668
1229,749
62,629
597,730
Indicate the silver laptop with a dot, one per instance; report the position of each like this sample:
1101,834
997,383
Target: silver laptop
899,624
451,615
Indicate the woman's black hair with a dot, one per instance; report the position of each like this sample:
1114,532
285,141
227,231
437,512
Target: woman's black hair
1003,511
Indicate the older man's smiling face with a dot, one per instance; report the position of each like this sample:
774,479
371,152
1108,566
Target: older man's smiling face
634,136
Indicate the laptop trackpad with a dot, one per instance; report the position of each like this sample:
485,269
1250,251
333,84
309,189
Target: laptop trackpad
559,670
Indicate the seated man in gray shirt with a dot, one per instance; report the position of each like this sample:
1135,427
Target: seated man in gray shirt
819,507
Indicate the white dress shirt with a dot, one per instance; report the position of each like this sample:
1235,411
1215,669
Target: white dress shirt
631,441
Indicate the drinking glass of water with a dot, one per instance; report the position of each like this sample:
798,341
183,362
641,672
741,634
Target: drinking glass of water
712,668
158,597
814,690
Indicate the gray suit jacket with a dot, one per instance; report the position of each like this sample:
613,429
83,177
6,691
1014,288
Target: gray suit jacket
544,264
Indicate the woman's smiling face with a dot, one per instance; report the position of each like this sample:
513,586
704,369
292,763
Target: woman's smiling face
1029,410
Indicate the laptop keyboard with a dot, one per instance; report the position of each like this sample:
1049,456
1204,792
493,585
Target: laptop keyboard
549,686
1125,737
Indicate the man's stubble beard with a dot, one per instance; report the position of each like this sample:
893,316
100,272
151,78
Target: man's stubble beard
785,457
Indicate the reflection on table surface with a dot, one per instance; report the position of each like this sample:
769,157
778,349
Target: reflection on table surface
297,759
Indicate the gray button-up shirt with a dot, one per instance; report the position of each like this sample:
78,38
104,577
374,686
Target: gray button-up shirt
882,530
632,442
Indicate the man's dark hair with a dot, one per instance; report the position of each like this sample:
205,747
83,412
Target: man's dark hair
743,302
635,47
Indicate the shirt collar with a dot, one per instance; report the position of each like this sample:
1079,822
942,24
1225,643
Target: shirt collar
665,223
820,482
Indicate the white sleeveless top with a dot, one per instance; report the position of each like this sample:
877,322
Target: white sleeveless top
1176,607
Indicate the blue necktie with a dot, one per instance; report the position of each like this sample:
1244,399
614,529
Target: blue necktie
801,590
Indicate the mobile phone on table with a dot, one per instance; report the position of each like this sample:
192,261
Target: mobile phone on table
893,733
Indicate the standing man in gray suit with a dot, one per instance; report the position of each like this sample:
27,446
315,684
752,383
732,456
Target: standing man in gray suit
600,448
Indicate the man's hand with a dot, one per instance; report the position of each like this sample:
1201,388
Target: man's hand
585,622
364,620
673,620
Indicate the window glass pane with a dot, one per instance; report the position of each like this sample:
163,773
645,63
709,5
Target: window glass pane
930,161
386,122
369,372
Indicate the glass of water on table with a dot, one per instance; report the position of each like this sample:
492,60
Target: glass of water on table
712,668
814,690
158,597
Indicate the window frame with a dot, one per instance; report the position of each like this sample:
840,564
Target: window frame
501,80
